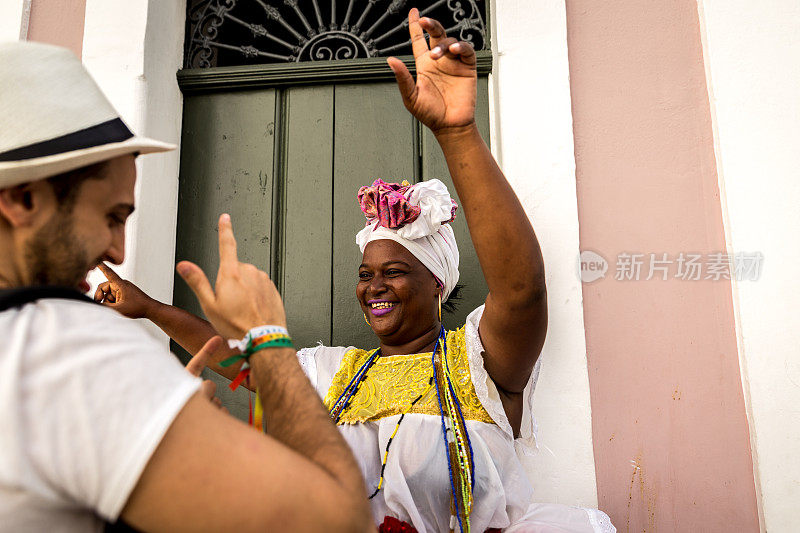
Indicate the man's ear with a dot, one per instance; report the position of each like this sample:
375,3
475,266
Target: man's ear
23,204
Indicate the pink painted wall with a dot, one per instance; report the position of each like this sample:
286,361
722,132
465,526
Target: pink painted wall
670,434
58,22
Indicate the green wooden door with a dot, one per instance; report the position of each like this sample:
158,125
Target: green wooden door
287,164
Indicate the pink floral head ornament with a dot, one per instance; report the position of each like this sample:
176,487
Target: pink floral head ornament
418,217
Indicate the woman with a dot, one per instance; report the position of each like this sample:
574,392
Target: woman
436,419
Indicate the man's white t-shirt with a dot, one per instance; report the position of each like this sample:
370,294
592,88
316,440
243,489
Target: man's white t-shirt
86,395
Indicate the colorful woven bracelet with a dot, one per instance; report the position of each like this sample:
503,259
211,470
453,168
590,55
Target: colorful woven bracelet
265,330
261,331
256,339
252,347
273,340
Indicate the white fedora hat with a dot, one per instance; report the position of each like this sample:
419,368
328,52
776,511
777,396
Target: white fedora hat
54,118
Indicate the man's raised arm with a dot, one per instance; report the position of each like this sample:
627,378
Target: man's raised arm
212,472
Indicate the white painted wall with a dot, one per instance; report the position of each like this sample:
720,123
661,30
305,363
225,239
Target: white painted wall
163,57
752,53
134,49
14,16
532,119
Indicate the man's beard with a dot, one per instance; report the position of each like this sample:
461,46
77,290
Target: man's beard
55,256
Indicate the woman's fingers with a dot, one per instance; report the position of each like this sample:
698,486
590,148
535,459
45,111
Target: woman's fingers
440,44
465,51
105,294
435,30
102,289
453,49
196,365
107,291
108,272
418,43
443,48
405,82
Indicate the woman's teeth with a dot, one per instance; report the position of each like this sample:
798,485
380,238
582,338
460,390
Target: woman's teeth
383,305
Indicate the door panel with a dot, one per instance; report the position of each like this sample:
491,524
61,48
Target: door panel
374,139
226,167
308,224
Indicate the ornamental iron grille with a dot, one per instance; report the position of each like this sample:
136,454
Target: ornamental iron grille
242,32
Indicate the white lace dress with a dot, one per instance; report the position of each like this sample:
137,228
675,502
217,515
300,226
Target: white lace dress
416,487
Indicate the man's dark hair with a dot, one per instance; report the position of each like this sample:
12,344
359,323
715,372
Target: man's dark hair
66,185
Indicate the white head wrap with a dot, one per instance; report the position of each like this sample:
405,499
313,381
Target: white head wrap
429,238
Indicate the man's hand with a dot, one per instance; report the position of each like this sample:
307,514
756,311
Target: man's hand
121,295
443,97
244,297
303,472
196,365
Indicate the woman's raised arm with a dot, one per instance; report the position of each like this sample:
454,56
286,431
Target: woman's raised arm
189,331
443,97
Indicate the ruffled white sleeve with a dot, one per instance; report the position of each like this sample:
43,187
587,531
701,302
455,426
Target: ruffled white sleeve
308,363
490,397
320,363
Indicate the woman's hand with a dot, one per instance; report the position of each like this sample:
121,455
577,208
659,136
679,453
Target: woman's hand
244,297
443,96
121,295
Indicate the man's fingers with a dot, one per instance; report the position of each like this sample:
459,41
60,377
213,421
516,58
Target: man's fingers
108,273
418,43
405,82
208,388
196,365
434,29
196,279
227,243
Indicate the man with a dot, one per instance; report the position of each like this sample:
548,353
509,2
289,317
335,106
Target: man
98,420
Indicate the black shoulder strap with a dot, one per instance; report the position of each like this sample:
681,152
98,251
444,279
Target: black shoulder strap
10,298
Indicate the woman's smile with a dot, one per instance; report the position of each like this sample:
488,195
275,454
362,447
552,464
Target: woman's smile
398,296
381,307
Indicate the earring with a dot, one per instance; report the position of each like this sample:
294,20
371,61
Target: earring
367,320
440,307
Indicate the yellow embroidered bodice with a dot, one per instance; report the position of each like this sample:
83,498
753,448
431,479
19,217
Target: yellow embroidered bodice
395,381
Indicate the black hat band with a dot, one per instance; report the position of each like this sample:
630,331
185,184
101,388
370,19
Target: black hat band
112,131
